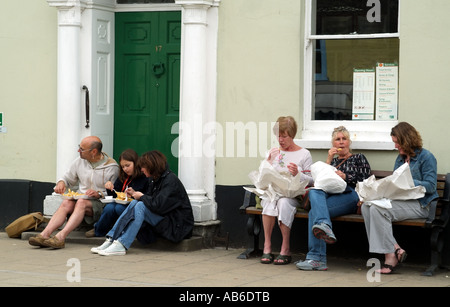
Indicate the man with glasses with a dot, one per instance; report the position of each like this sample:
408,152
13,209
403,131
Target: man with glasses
89,172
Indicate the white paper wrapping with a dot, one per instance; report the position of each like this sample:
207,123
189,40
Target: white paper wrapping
398,186
271,185
326,179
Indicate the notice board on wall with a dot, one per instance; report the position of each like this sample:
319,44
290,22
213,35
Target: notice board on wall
363,94
375,93
386,91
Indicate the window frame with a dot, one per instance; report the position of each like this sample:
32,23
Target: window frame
316,134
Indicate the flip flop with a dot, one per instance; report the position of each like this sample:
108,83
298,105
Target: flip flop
282,259
267,258
401,257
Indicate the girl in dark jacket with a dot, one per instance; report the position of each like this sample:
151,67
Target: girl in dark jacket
164,210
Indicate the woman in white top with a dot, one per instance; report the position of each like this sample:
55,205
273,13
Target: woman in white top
288,158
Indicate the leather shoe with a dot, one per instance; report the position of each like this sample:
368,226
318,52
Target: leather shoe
54,242
90,233
37,240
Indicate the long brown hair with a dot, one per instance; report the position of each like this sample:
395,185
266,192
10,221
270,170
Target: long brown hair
155,163
407,137
132,156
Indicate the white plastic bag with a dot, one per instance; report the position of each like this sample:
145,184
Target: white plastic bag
326,179
398,186
272,185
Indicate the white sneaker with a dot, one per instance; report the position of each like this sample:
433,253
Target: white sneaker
115,249
105,245
312,265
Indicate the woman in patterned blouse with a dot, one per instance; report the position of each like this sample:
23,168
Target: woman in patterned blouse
350,167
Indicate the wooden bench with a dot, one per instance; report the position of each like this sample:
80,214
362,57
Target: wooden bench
436,221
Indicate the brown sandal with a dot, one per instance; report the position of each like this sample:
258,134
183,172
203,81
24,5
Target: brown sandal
267,258
387,266
282,259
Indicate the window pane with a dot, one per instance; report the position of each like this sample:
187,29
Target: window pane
143,1
355,17
335,61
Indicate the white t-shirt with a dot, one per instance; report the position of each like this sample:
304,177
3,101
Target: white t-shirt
302,158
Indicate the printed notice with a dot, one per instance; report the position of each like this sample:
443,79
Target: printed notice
363,94
386,91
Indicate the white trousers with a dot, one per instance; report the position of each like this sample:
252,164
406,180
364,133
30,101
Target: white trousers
283,208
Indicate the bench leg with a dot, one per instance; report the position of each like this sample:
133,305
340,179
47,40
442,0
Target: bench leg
253,230
437,245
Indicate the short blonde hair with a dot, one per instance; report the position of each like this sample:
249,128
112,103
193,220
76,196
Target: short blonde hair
343,130
285,124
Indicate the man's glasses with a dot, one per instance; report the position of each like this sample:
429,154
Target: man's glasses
83,150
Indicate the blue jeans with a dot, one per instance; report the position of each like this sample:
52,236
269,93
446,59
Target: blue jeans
141,214
325,206
110,214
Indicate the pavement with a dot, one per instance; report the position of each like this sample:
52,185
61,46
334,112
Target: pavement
22,265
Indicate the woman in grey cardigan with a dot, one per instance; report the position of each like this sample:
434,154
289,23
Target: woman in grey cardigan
378,220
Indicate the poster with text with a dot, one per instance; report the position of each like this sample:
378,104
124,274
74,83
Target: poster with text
386,91
363,94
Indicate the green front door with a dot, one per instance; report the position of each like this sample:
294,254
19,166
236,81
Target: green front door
147,82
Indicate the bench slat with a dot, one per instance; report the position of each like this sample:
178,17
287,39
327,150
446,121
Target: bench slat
358,218
345,218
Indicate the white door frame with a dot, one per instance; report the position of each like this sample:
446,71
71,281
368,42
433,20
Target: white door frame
86,58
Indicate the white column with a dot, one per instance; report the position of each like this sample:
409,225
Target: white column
193,107
68,82
96,69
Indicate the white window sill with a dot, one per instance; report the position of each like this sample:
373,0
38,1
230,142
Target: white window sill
359,145
364,136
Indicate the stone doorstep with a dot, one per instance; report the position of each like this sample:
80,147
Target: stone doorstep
205,234
78,236
203,237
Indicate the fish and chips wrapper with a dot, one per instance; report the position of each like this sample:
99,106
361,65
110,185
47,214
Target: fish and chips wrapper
326,179
398,186
272,185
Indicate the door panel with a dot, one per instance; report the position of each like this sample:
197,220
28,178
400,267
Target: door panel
147,82
136,72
